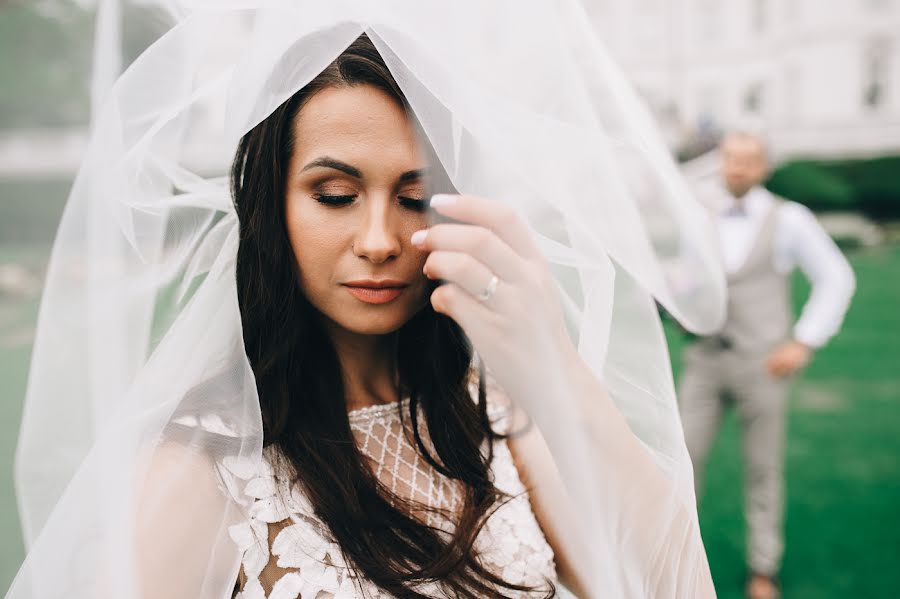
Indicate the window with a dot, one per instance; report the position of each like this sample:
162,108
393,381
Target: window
876,5
709,108
759,15
875,72
753,98
793,92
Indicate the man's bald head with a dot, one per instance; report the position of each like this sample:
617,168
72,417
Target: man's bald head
744,162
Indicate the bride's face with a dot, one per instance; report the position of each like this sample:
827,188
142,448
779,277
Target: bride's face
355,194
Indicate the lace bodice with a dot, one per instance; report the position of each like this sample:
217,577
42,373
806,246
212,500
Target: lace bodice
287,553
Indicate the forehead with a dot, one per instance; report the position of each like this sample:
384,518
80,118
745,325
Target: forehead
352,123
743,145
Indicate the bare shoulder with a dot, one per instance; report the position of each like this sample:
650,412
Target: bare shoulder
182,515
172,469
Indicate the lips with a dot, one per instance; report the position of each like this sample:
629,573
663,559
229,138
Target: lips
376,292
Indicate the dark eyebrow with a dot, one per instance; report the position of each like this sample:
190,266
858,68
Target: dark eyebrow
413,175
337,165
326,162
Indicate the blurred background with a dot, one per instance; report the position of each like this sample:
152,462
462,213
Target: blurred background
821,78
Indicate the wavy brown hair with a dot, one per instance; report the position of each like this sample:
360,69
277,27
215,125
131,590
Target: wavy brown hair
301,391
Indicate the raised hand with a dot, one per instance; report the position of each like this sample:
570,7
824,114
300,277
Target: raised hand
500,291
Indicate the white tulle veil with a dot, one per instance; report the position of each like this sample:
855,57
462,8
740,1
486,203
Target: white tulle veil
139,335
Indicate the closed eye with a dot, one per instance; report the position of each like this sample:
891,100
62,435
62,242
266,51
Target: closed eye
417,204
334,200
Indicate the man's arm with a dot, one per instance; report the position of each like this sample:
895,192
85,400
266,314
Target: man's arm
829,273
802,242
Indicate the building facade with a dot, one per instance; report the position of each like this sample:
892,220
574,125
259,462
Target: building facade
820,77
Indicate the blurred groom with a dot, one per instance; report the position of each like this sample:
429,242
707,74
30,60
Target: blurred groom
748,364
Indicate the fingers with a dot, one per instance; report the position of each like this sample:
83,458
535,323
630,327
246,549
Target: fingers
775,365
471,314
492,215
780,366
479,243
462,269
774,368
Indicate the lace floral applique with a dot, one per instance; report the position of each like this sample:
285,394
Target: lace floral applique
315,562
304,561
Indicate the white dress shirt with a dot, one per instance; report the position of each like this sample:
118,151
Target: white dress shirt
800,241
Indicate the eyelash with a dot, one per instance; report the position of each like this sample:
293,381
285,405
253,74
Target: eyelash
333,200
419,205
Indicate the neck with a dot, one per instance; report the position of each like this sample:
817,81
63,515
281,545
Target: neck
369,366
739,194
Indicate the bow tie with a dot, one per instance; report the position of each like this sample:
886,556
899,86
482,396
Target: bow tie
735,210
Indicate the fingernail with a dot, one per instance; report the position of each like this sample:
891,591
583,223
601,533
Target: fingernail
442,199
418,238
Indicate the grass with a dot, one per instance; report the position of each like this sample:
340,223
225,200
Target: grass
45,65
15,353
843,456
29,213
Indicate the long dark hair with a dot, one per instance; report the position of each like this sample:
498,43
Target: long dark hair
301,391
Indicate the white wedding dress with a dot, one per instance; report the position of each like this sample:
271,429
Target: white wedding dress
140,386
287,552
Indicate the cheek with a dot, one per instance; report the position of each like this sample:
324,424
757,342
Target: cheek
315,243
312,250
423,284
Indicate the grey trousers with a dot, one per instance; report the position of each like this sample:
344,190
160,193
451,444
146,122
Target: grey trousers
711,380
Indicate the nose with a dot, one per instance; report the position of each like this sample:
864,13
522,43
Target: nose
732,169
378,238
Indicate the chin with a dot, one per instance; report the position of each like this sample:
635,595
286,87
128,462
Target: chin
738,190
372,321
365,319
375,326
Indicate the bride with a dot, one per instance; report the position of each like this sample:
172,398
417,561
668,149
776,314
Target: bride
361,376
334,274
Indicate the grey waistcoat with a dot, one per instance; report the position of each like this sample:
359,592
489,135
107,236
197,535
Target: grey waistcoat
759,310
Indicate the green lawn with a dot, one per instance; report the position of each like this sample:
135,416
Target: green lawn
29,213
843,454
843,458
16,329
